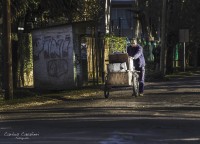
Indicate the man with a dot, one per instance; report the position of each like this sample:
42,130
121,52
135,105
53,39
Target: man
136,52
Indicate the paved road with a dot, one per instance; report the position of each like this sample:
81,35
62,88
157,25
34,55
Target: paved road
168,113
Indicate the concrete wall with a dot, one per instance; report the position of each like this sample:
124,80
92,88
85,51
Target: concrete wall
53,58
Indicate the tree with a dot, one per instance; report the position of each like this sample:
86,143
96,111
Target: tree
149,12
7,52
41,13
163,40
179,14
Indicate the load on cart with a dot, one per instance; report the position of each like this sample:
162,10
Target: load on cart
120,73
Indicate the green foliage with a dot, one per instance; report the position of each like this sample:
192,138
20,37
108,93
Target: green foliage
116,44
25,54
19,8
28,59
57,12
93,9
14,36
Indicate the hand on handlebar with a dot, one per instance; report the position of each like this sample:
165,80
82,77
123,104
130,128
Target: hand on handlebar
131,57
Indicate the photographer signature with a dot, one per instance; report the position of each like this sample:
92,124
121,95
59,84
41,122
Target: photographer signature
21,135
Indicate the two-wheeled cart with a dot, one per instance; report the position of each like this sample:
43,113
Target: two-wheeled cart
121,73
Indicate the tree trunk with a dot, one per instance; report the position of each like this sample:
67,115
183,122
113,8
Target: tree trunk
163,40
8,79
195,58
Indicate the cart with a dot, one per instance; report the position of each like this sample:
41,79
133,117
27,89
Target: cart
121,73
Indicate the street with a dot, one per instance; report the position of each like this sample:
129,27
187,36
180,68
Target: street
169,112
58,58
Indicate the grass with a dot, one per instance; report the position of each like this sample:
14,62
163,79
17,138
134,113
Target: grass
26,99
182,74
23,102
157,76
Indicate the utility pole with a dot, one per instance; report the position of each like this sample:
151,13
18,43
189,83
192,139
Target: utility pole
163,55
7,60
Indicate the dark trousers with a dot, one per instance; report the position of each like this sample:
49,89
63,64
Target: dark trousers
141,78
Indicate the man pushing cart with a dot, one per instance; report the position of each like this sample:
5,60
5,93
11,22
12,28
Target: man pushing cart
126,69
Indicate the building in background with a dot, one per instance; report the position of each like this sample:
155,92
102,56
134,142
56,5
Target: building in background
122,21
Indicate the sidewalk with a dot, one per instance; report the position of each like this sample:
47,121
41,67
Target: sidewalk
183,90
181,94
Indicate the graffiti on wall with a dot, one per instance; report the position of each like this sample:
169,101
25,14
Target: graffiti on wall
57,68
54,50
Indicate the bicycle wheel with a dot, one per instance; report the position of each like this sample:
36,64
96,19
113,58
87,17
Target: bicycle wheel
135,84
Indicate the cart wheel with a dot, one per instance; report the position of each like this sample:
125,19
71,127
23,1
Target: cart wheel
106,91
135,84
